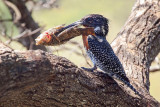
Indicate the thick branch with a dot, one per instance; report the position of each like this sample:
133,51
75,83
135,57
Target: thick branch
139,42
37,78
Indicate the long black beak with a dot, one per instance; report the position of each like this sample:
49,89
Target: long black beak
77,23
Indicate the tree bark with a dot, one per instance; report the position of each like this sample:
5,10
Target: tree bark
38,78
138,43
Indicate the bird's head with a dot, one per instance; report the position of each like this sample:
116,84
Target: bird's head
98,22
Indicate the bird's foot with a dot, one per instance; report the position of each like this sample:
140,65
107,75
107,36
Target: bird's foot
89,69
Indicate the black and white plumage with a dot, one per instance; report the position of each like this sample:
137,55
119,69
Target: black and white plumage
100,51
103,56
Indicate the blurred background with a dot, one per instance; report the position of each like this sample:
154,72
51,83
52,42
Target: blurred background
49,13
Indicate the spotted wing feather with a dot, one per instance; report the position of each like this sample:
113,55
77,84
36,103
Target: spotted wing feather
103,55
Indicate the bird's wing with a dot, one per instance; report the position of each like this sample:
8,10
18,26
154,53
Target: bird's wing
105,57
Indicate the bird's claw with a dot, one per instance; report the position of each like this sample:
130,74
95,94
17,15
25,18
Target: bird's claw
88,69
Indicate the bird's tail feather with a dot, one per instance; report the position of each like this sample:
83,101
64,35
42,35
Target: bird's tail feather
131,87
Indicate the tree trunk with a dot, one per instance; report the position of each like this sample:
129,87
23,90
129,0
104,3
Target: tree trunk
24,21
38,78
138,43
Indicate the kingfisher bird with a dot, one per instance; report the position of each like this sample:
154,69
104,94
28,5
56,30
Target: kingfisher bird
99,50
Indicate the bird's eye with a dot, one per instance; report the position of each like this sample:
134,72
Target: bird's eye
89,20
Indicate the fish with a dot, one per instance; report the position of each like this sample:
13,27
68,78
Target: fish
58,35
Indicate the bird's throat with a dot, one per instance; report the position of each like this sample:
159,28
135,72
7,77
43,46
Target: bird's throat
85,41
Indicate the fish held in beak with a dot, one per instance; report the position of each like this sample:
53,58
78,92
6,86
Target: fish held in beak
61,34
48,37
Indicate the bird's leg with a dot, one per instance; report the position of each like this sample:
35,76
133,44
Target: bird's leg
90,69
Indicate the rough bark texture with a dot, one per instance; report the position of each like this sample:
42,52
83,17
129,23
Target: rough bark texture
139,42
37,78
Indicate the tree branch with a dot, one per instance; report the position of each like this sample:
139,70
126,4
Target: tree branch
23,21
26,33
154,69
137,44
5,20
38,78
157,67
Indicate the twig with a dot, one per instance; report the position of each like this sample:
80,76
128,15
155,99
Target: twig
76,52
80,47
15,9
24,34
5,20
157,67
66,48
154,68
